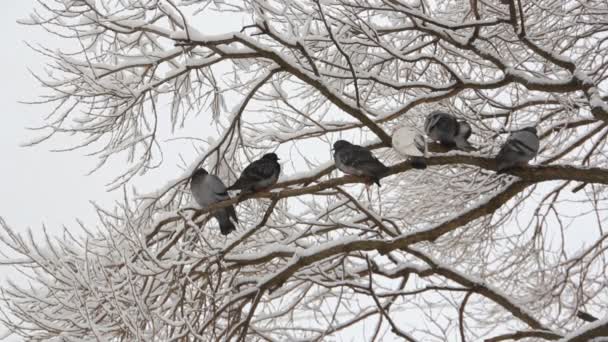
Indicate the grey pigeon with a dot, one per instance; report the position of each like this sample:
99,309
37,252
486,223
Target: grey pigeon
359,161
451,133
259,175
521,147
208,189
462,137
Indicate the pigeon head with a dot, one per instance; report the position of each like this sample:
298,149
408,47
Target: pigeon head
198,173
340,144
271,156
530,129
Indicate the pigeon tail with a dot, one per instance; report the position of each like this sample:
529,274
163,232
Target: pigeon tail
223,218
502,166
381,173
376,172
418,163
376,180
238,185
448,144
232,213
464,145
227,227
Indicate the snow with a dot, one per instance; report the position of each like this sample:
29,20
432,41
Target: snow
308,173
326,246
31,20
197,36
586,328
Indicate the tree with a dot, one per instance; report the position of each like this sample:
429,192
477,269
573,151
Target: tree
452,252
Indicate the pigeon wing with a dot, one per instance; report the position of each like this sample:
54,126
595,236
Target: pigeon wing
521,143
431,121
441,126
521,146
526,142
218,188
221,194
258,170
464,130
506,149
362,159
356,155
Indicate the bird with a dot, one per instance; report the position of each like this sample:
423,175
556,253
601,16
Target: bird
521,147
259,175
409,143
449,131
462,137
357,160
209,189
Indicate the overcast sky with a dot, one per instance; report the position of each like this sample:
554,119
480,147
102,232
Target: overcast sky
38,186
54,188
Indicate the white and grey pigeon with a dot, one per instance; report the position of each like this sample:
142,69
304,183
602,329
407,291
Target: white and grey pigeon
521,147
409,143
208,189
449,131
357,160
259,175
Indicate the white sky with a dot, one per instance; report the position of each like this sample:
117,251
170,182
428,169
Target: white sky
38,186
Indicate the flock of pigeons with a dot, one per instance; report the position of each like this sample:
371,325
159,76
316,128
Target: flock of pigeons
521,147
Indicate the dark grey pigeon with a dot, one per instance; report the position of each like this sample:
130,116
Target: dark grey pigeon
208,189
521,147
451,133
359,161
462,136
259,175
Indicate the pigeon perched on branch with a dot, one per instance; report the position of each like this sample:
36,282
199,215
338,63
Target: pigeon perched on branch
208,189
259,175
462,137
409,143
521,147
359,161
450,132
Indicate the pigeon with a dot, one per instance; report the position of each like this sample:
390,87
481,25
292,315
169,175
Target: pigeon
451,133
462,137
259,175
356,160
208,189
409,143
521,147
